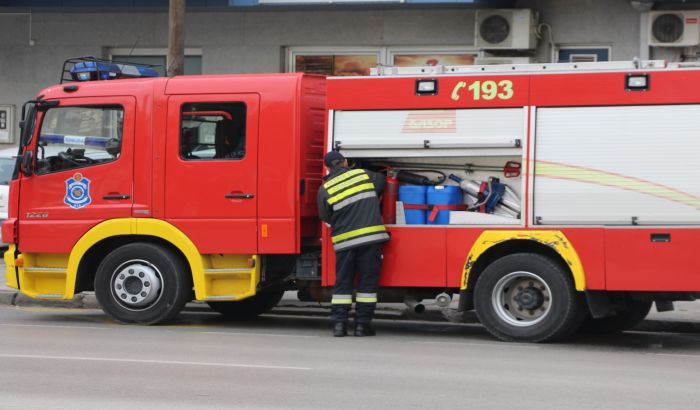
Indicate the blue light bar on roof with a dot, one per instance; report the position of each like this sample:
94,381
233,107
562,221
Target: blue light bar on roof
100,70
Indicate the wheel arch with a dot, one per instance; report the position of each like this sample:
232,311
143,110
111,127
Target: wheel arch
109,235
492,245
87,268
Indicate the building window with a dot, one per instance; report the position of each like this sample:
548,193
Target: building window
158,56
337,61
416,57
348,61
583,54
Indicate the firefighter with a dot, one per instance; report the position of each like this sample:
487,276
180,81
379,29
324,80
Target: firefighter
349,202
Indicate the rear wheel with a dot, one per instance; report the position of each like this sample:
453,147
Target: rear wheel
249,308
527,297
634,312
142,283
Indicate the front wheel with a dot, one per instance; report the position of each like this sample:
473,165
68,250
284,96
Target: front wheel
142,283
527,297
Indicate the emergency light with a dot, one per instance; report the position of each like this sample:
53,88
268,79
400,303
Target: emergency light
93,69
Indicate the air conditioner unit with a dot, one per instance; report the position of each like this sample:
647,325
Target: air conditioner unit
503,60
512,29
674,28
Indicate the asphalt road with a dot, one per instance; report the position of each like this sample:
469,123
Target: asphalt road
79,359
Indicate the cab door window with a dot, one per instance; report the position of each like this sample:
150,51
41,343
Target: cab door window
76,137
213,131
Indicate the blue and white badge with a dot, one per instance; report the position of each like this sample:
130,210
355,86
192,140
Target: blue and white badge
77,191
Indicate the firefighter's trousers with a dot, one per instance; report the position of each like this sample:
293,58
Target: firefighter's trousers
367,262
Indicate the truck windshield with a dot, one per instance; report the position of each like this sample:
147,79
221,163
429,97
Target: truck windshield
78,136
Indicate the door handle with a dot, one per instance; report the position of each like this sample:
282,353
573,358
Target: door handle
239,196
116,196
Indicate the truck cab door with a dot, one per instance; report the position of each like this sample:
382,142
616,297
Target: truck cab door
82,172
211,172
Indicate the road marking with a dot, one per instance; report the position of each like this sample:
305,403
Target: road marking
142,361
499,344
694,356
258,334
56,326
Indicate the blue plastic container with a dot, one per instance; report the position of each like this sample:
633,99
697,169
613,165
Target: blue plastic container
414,195
443,195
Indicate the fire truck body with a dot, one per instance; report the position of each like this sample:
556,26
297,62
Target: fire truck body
209,182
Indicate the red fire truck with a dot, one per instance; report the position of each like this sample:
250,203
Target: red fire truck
545,196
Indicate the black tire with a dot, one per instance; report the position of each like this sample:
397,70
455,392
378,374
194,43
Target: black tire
545,305
161,275
249,308
634,312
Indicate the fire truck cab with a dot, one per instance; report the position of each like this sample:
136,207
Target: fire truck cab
545,196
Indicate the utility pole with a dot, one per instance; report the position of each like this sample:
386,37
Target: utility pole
176,38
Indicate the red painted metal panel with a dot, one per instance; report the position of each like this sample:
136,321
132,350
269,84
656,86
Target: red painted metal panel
313,128
211,236
52,236
8,230
413,257
160,136
276,235
143,156
635,262
596,89
589,244
377,93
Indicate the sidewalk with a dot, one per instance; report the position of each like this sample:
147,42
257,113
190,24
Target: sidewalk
685,318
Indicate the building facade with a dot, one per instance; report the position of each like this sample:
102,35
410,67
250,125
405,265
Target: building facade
245,36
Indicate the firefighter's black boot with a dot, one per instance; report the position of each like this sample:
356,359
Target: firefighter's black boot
340,329
364,329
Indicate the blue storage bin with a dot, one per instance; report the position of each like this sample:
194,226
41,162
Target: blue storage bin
443,195
414,195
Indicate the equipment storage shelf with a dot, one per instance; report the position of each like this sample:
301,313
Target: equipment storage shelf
443,167
450,191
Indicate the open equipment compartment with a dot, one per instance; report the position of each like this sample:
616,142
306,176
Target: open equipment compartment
453,166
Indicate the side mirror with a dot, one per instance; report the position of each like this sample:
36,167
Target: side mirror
26,163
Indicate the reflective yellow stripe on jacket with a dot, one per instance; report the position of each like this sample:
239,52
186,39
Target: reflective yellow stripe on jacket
348,192
358,232
342,177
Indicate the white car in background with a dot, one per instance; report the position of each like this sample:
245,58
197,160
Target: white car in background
7,166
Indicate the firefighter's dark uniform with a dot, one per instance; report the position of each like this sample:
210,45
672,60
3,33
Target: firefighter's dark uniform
349,202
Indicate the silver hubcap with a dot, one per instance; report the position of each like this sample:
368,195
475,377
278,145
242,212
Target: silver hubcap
521,299
136,284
